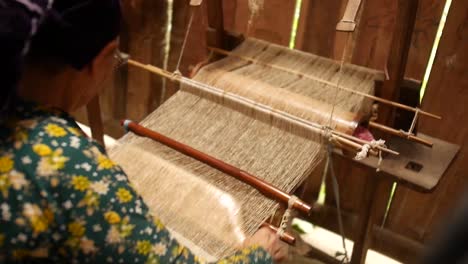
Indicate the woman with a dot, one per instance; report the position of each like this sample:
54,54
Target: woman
61,197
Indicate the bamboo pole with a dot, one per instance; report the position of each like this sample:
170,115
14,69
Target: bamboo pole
400,133
300,74
262,186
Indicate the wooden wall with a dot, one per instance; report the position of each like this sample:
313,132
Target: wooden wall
135,93
414,214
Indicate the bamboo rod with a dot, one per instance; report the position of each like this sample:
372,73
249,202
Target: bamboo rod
286,237
262,186
400,133
316,128
378,99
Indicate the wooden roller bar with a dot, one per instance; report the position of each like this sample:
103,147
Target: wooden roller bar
308,76
344,138
262,186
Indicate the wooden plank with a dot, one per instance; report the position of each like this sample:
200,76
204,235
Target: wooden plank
413,214
375,33
146,21
317,26
273,23
427,23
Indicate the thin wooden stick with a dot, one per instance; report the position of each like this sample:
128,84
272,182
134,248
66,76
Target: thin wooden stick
317,128
262,186
378,99
286,237
400,133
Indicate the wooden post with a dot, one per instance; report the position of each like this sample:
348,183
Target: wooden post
397,60
396,66
216,22
95,120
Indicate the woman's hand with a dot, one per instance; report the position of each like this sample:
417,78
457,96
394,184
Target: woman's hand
268,240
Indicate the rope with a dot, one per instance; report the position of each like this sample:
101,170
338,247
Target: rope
286,216
340,75
336,192
374,144
413,124
184,44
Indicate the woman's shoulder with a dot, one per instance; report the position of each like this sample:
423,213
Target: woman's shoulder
46,131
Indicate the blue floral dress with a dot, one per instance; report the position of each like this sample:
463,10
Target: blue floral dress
63,200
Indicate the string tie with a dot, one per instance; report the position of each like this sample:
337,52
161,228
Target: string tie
286,216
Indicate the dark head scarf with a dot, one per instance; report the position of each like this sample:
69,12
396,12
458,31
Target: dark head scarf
72,32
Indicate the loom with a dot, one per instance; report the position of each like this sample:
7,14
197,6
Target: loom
223,154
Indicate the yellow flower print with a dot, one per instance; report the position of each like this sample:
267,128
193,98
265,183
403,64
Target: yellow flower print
91,199
55,131
176,251
74,131
246,251
113,235
57,160
80,183
6,164
76,229
39,220
125,228
51,164
160,249
73,242
49,215
159,225
42,150
39,224
17,180
199,260
112,217
104,163
20,137
238,259
54,182
87,246
124,195
4,185
143,247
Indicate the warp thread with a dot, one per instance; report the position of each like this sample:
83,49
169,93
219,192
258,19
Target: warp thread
238,135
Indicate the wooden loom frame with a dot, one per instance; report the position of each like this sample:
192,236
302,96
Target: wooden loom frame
217,37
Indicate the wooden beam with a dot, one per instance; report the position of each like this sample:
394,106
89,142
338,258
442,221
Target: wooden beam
396,64
447,95
216,21
95,120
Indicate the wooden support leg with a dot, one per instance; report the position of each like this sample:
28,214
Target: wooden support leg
95,120
364,226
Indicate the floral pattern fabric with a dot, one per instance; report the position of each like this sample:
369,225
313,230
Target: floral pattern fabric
63,200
